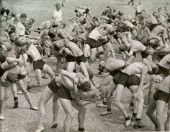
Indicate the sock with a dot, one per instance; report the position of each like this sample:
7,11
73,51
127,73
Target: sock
15,99
81,129
134,115
104,102
132,104
127,118
109,109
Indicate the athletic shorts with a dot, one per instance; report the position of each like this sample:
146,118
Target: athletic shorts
92,43
2,58
80,59
39,64
161,95
133,81
2,71
144,54
161,70
121,78
61,91
113,73
70,58
13,78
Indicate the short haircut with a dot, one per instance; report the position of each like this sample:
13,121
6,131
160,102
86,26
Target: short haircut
85,86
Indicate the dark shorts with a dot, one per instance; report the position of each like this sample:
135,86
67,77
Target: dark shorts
161,95
14,78
80,59
70,58
39,64
61,91
144,54
121,78
92,43
133,81
161,70
2,58
2,71
151,27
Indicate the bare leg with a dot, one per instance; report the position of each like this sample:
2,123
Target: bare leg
93,54
45,97
150,112
49,71
84,69
22,87
167,124
14,91
4,97
86,50
67,106
71,66
119,91
81,114
2,94
55,111
160,106
38,77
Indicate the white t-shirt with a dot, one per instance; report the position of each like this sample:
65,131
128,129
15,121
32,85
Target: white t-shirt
20,29
139,8
57,15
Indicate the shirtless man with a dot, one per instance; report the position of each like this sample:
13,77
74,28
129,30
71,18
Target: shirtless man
162,97
97,38
31,51
161,73
112,66
73,54
11,74
133,46
61,87
132,77
158,36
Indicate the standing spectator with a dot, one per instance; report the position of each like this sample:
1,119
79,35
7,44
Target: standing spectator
57,14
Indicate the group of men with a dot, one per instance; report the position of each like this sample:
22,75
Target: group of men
142,44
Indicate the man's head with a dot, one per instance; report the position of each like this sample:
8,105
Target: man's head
85,86
23,18
21,43
58,6
58,45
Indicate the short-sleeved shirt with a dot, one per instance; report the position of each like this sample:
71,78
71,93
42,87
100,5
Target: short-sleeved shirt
57,15
20,29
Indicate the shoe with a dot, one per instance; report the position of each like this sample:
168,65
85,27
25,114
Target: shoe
128,121
19,92
34,108
2,117
55,125
28,88
106,113
15,104
40,129
138,124
101,105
